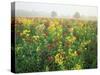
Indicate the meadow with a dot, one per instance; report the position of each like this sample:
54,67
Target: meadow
53,44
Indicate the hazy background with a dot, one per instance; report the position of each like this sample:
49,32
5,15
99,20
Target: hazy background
61,10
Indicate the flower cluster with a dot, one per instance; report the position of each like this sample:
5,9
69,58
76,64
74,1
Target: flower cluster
46,44
59,58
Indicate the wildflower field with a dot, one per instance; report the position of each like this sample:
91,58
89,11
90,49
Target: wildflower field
53,44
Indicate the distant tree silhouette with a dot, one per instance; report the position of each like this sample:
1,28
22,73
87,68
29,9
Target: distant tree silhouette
77,15
53,14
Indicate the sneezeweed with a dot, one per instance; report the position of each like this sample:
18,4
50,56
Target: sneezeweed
84,43
56,21
77,67
25,33
36,38
50,58
71,39
27,21
59,58
39,28
52,28
72,53
51,44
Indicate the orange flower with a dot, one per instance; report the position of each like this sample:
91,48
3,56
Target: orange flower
49,46
78,53
46,33
50,58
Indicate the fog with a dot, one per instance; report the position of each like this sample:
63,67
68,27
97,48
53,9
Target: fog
45,9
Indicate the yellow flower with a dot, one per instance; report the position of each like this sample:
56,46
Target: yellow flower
77,67
35,37
59,58
27,21
52,27
84,43
25,33
56,21
40,28
72,53
71,39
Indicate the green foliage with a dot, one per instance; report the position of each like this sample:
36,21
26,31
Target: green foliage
45,44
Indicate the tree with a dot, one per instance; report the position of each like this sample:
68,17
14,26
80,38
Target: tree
77,15
53,14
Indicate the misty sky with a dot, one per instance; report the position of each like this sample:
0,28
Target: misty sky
61,9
